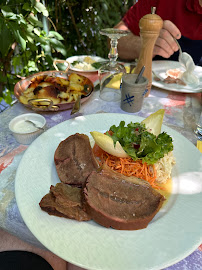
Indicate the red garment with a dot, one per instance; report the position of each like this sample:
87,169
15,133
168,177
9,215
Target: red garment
185,14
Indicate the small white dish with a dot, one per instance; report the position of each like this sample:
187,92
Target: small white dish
25,132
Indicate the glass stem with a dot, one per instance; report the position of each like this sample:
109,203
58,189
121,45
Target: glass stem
113,53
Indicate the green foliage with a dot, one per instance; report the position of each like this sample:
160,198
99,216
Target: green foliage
25,46
79,23
138,143
34,33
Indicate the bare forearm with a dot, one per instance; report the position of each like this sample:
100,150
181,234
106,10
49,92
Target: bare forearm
129,47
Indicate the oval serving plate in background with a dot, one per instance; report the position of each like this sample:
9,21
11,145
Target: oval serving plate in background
81,58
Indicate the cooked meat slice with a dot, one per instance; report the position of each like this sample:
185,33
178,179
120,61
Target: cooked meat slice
74,159
66,196
64,201
120,202
48,204
170,80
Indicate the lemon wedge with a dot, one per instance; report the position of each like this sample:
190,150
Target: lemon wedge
106,143
154,122
115,81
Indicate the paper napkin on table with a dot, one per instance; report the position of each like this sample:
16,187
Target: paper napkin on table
115,81
199,146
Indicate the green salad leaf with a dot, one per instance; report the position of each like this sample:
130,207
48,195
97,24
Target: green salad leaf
75,62
138,143
97,65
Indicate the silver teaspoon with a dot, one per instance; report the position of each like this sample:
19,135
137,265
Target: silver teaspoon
29,121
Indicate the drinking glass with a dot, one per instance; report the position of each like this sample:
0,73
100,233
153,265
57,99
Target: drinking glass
198,130
111,72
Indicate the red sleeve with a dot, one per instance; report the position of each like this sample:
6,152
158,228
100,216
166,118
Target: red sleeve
136,12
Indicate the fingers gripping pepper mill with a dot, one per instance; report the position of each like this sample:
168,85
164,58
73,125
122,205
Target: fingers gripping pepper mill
150,26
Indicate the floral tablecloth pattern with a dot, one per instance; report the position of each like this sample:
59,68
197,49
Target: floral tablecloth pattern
181,113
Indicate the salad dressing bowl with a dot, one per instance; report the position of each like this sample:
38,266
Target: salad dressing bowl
27,127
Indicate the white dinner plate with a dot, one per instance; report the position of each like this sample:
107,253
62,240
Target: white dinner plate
160,67
81,58
173,234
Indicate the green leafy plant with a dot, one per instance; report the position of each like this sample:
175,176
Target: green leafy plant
138,143
27,46
79,23
34,33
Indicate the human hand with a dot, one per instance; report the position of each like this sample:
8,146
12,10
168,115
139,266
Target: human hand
165,44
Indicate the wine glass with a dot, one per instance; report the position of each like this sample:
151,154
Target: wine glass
198,128
110,73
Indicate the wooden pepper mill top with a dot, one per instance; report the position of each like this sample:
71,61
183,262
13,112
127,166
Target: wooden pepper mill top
150,26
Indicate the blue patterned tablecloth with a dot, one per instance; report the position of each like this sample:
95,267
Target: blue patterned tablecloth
181,113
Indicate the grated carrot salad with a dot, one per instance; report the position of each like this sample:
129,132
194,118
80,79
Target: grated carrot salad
127,166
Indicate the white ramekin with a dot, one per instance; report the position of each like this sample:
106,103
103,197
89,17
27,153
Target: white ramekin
27,137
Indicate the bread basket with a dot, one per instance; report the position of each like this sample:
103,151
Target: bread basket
46,104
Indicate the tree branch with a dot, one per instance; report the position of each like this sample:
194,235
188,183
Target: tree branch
75,26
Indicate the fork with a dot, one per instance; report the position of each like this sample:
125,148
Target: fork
77,104
180,49
180,58
156,77
185,58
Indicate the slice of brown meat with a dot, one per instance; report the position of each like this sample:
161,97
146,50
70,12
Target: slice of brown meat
120,202
74,159
170,80
64,201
